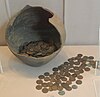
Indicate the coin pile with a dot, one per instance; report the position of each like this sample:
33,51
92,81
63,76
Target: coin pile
38,48
64,75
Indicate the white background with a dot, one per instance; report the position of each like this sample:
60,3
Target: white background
82,17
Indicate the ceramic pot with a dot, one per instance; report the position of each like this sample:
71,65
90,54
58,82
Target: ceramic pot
34,24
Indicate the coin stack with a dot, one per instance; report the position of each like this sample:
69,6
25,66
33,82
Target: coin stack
38,48
64,75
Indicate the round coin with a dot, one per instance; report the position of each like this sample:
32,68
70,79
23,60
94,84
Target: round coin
68,88
87,69
55,69
78,82
69,82
74,86
38,87
91,57
41,76
46,73
45,90
60,88
80,77
39,81
46,79
61,93
79,55
54,87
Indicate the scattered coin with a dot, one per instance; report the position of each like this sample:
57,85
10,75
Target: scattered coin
46,73
46,79
80,77
69,82
39,81
41,76
91,57
45,90
78,82
74,86
79,55
54,87
55,69
60,88
68,88
38,87
87,69
61,92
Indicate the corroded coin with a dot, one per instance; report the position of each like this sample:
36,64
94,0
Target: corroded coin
60,88
81,71
80,77
67,74
44,84
71,78
78,82
39,81
79,55
72,70
87,69
76,68
55,69
74,86
54,87
46,79
68,88
46,73
74,75
69,82
50,84
63,78
77,72
91,57
38,87
45,90
61,92
77,63
41,76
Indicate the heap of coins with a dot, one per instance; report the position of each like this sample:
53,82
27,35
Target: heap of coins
38,48
64,75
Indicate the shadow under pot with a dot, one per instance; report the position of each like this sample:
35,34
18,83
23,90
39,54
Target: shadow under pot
35,35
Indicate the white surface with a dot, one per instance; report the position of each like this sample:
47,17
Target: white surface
82,21
18,79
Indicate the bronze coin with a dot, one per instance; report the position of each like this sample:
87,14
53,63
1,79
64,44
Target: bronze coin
50,89
72,70
82,66
63,78
76,68
58,81
46,79
55,73
87,69
71,78
67,74
91,57
77,72
83,62
68,88
60,67
46,73
79,55
51,76
39,81
85,58
57,77
41,76
38,87
74,86
77,63
81,71
44,84
69,82
45,90
50,84
55,69
66,63
60,88
54,87
64,85
74,75
78,82
80,77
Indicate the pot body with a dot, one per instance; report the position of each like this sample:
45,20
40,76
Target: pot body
34,24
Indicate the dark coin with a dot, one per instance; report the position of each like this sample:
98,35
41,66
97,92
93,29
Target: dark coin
76,68
46,73
71,78
55,69
81,71
77,63
46,79
87,69
60,88
66,63
64,85
71,70
79,55
61,92
50,84
82,66
74,75
83,62
63,78
91,57
57,77
67,74
41,76
53,80
54,87
38,87
78,82
77,72
85,58
60,67
69,82
68,88
39,81
51,76
74,86
80,77
55,73
45,90
44,84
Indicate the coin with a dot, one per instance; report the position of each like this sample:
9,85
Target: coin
81,71
41,76
50,89
64,85
87,69
39,81
71,70
91,57
51,76
61,92
38,87
63,78
85,58
78,82
68,88
80,77
79,55
54,87
71,78
89,65
76,68
74,86
69,82
44,84
77,63
77,72
66,63
60,88
46,73
67,74
45,90
46,79
74,75
55,69
50,84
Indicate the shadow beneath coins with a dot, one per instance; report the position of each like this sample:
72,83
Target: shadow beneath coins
17,66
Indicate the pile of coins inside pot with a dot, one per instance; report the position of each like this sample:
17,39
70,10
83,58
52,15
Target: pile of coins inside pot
64,75
38,48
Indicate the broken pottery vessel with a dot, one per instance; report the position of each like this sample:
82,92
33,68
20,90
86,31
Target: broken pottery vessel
34,24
